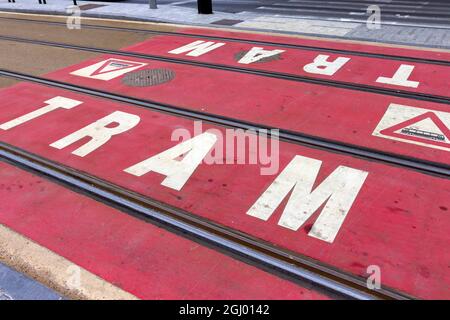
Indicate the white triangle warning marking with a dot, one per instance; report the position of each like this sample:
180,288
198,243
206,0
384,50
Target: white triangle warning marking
424,127
108,69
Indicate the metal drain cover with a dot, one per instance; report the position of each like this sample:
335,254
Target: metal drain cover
149,77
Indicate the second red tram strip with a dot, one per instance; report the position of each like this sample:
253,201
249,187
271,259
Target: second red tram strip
341,68
408,128
321,70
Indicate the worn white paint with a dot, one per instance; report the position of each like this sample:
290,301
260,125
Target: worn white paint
99,131
197,48
257,53
397,113
177,172
108,69
338,191
321,65
52,104
400,77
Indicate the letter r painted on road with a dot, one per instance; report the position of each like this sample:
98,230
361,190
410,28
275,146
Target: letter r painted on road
321,65
197,48
99,132
338,191
52,104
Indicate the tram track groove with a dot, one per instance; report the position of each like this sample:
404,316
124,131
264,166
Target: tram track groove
293,264
247,41
256,72
423,166
269,74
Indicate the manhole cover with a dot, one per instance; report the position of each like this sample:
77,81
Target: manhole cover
149,77
238,56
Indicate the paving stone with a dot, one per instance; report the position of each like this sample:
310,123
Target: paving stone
16,286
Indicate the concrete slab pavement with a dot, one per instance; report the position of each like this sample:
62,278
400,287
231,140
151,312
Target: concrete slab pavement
16,286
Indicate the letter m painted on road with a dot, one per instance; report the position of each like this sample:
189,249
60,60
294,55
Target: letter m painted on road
338,191
197,48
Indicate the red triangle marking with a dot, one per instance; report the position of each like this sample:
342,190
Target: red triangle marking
427,115
107,62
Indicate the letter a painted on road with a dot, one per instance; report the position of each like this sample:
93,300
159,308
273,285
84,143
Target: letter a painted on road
108,69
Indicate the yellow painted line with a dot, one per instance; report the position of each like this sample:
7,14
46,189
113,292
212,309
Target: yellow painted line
53,270
240,30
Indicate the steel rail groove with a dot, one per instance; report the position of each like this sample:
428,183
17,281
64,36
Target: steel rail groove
248,41
424,166
270,74
239,243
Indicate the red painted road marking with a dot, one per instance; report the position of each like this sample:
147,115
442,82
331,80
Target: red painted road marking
139,257
393,74
398,219
306,108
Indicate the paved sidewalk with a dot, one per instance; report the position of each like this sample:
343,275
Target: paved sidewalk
419,36
16,286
